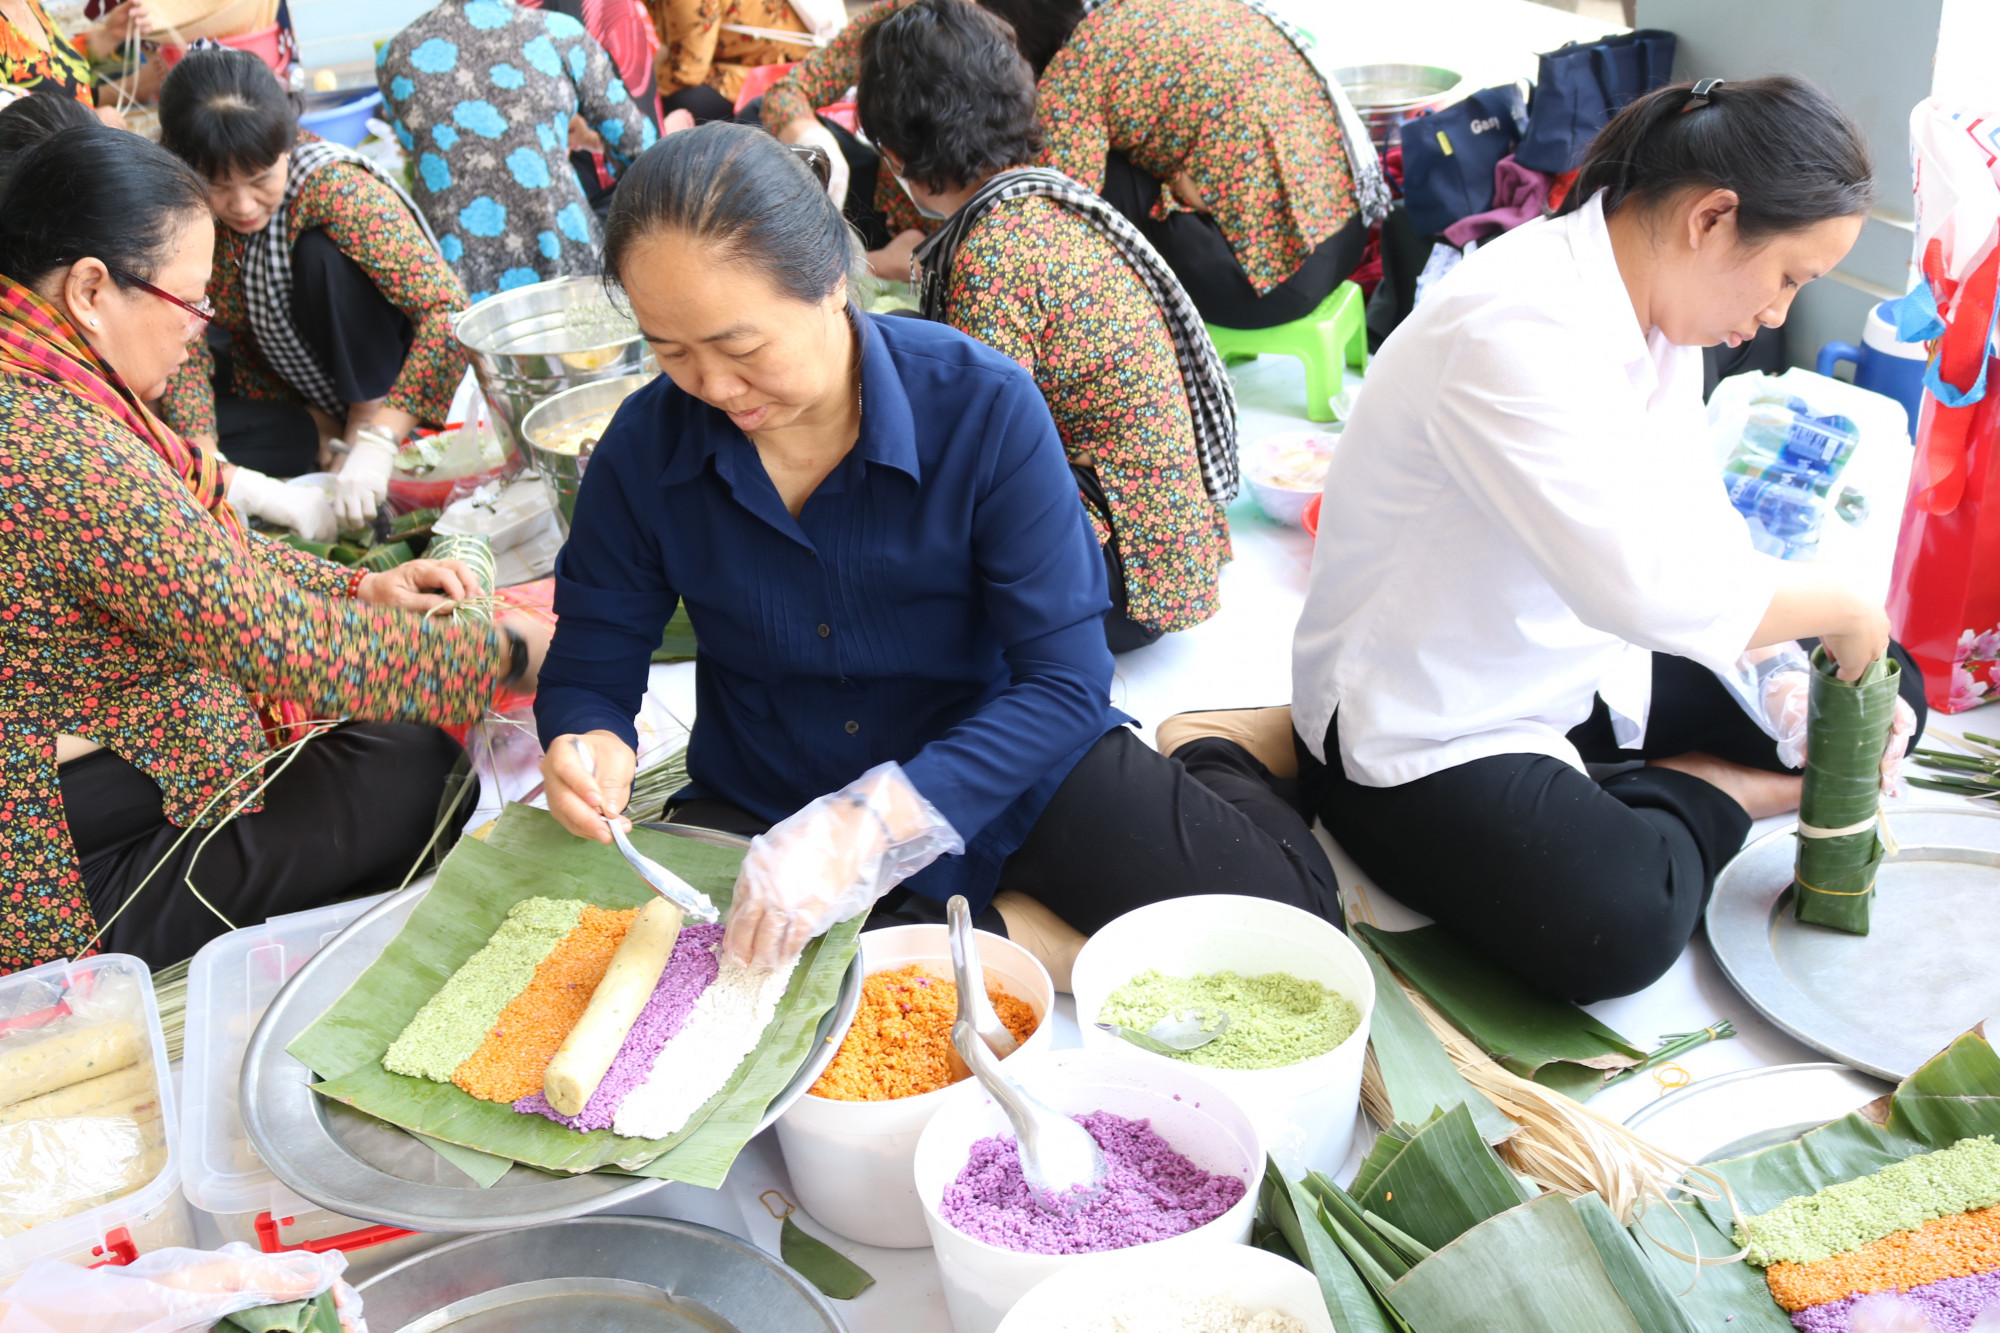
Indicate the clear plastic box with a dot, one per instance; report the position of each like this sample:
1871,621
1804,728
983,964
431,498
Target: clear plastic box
231,982
152,1217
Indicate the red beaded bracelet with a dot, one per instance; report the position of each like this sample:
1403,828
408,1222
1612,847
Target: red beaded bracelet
354,582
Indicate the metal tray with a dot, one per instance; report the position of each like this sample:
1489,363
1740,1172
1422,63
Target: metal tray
359,1166
1733,1115
603,1274
1887,1001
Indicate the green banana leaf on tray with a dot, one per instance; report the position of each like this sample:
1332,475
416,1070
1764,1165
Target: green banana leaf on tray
527,855
1533,1035
1847,728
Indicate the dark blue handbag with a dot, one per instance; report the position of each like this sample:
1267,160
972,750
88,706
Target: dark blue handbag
1449,156
1582,86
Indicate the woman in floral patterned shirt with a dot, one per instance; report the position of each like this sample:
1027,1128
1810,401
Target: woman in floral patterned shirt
155,648
951,105
1197,119
355,341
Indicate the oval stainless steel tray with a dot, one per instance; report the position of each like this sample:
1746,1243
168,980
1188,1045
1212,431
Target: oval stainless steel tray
1889,1000
1733,1115
359,1166
604,1274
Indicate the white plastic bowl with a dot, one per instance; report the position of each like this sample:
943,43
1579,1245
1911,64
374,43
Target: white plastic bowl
983,1282
1286,503
1304,1112
1255,1279
850,1162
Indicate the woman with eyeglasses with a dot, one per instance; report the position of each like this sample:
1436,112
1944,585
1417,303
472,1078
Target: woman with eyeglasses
330,336
159,656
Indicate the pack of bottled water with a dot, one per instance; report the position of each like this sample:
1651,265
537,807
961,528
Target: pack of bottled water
1783,473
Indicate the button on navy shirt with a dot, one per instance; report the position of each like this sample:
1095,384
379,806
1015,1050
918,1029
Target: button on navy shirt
938,601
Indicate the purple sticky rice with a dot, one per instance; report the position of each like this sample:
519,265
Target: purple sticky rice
1151,1193
690,970
1951,1305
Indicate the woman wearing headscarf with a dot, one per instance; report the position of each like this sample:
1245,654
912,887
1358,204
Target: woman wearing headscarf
1034,265
482,94
336,302
160,655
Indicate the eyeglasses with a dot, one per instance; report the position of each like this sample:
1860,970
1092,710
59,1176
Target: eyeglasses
203,312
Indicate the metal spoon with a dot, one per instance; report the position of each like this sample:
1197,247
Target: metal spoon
1175,1034
974,1005
692,901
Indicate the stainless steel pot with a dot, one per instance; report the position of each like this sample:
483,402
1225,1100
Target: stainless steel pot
563,472
525,349
1387,95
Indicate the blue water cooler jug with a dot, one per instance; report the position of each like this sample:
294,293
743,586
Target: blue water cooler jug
1881,364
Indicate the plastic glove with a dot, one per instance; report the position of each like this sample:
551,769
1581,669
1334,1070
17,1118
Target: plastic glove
830,861
172,1290
1785,704
303,509
363,480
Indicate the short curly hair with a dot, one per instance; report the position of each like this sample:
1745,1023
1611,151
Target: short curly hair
944,89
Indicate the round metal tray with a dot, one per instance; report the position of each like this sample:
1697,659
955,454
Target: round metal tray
359,1166
604,1274
1889,1000
1733,1115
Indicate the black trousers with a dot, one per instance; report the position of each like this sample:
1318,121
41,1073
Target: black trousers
348,817
1586,889
1199,254
359,336
1130,826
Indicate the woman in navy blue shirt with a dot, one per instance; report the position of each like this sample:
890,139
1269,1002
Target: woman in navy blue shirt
898,598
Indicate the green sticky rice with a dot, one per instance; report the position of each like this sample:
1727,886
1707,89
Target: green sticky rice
1902,1197
1274,1019
452,1023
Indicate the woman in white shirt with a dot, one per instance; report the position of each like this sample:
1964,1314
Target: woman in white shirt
1524,541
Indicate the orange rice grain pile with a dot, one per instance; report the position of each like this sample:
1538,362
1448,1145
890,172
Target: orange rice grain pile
897,1045
515,1056
1956,1246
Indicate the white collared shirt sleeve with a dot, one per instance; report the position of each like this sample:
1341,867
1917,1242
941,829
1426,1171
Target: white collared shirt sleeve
1621,510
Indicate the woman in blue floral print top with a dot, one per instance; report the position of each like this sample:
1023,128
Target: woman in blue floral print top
482,93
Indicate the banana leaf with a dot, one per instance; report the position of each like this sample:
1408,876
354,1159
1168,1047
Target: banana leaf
819,1263
1536,1036
1532,1269
1354,1307
1442,1183
677,640
1847,727
1417,1074
483,1167
529,854
1638,1282
1374,1257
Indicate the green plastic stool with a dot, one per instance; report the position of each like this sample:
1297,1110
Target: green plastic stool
1333,335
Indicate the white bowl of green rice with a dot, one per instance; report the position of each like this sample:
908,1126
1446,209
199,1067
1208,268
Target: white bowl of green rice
1299,995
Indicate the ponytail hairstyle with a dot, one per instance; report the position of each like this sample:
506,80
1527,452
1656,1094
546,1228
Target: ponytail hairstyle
1792,157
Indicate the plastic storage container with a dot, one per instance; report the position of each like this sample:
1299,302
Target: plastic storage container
230,983
851,1163
1255,1279
983,1282
149,1218
1305,1112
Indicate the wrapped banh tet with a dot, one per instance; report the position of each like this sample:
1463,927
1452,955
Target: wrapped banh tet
1847,729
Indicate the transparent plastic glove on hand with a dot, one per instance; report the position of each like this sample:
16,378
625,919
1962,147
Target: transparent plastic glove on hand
830,861
363,480
1786,694
172,1290
304,509
1902,727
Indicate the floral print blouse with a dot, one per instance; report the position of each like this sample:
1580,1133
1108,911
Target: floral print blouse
822,79
481,92
694,50
129,617
371,226
1037,283
59,68
1213,89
